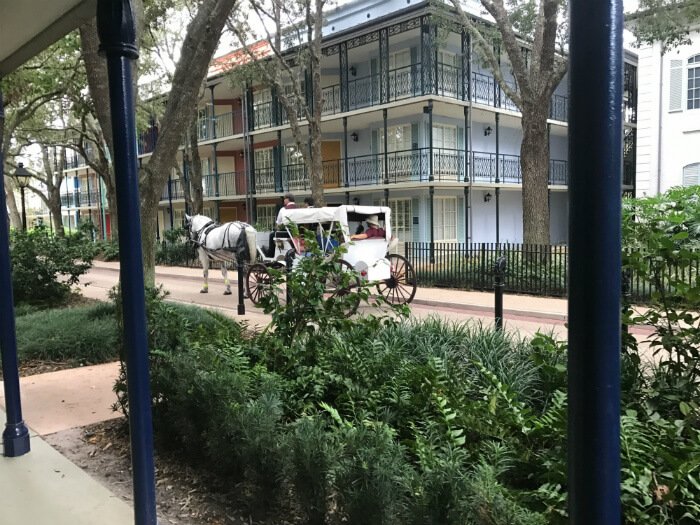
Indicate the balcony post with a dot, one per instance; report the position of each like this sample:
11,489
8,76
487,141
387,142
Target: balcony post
344,95
101,210
275,107
429,110
170,199
213,111
384,65
498,215
346,179
277,154
549,152
498,146
386,147
496,86
467,138
386,196
431,210
466,215
595,163
251,163
215,144
15,437
428,56
249,109
466,65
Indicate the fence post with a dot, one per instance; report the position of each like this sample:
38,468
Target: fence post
241,275
499,269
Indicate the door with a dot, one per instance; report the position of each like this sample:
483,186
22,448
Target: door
228,214
332,172
400,78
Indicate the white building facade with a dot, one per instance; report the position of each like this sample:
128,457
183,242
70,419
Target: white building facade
668,140
411,117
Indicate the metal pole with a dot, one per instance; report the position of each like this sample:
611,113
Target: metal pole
15,437
170,200
241,276
116,30
499,271
24,210
595,163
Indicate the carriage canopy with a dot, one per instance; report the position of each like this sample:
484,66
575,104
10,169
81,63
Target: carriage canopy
341,214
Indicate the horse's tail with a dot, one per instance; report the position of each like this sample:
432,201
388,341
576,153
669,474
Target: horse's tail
252,239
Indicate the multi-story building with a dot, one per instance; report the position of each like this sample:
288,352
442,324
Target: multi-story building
409,119
668,146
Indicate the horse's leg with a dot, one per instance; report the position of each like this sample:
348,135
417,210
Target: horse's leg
224,274
204,259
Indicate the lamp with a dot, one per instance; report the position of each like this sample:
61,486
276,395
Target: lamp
487,131
355,201
22,177
487,197
353,70
240,154
354,136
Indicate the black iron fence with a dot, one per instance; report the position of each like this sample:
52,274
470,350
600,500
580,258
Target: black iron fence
530,269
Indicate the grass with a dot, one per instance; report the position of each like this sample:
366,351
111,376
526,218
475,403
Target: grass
77,335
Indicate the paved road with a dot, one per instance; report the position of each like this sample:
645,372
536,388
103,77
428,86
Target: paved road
185,289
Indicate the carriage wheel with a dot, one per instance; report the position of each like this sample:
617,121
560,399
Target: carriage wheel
258,283
400,288
336,288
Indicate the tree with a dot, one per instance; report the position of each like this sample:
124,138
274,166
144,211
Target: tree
668,22
53,163
294,55
200,42
538,64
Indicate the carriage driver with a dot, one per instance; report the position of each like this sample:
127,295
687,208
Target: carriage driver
373,230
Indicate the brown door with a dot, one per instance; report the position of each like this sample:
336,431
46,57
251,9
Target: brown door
228,214
332,173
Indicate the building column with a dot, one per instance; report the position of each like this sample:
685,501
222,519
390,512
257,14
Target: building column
384,65
170,199
386,196
277,156
15,437
386,144
429,110
431,211
346,179
344,94
466,65
498,148
498,215
466,214
467,137
428,56
549,152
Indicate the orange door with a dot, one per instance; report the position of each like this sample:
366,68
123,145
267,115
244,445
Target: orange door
228,214
332,171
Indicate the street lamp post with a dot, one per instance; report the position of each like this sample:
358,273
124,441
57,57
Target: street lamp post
22,177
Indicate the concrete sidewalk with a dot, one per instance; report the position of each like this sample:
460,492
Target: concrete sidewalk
43,487
519,305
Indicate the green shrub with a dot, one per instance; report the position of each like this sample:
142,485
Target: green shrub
84,334
44,267
109,250
175,249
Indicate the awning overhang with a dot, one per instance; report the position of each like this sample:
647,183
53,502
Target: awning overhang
30,26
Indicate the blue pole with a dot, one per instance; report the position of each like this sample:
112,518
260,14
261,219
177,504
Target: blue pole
118,40
15,437
595,163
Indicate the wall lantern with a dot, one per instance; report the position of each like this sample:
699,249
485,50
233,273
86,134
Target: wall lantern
487,197
354,136
487,131
355,201
353,70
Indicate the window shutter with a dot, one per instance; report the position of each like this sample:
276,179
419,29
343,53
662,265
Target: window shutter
415,212
676,86
691,175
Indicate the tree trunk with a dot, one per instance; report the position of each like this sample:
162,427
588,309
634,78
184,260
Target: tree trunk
15,218
195,171
534,161
54,205
149,223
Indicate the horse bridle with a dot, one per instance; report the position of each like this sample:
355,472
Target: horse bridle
195,235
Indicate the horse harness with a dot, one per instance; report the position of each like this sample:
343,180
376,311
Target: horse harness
203,233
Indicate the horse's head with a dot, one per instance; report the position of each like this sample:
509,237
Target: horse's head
196,224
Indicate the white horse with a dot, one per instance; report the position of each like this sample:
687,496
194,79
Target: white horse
229,242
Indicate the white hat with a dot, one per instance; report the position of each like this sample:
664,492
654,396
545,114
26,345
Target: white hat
373,219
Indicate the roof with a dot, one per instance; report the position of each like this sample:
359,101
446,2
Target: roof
30,26
341,214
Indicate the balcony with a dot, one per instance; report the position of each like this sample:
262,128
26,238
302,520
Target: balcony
375,169
80,199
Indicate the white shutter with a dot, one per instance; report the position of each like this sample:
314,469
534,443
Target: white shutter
691,175
676,86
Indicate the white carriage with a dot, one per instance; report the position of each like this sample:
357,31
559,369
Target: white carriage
370,259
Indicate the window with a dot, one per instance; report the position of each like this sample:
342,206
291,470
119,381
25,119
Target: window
294,176
447,161
264,173
448,74
445,219
398,138
401,79
691,175
444,136
401,159
694,82
401,219
262,108
265,217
